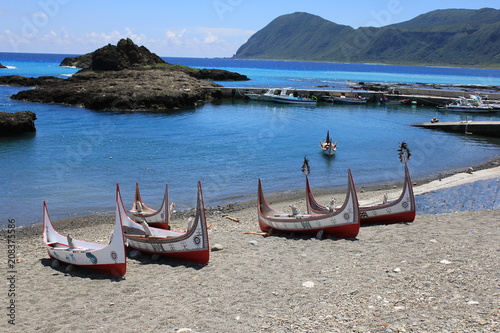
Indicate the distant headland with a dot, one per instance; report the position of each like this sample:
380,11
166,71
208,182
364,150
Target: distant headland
450,37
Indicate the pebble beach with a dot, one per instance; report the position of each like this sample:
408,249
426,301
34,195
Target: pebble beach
439,273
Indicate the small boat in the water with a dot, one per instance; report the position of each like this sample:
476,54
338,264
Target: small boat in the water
155,218
103,258
474,105
395,101
340,223
283,96
403,209
342,99
192,245
328,147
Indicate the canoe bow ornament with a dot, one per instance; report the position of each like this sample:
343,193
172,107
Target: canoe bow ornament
306,169
404,152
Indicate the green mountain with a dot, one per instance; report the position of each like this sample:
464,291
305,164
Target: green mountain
451,37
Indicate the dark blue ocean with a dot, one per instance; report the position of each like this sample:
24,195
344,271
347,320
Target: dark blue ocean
77,156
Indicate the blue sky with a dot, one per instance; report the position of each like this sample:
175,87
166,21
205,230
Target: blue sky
187,28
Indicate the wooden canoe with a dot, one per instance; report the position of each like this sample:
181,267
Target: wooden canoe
192,245
341,223
104,258
403,209
328,147
141,212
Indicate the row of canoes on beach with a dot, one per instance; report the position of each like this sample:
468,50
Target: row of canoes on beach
132,230
148,230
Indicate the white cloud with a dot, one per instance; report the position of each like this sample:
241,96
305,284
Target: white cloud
186,42
210,39
226,32
203,41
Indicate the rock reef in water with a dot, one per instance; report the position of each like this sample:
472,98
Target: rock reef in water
22,81
17,123
2,66
215,74
123,90
124,77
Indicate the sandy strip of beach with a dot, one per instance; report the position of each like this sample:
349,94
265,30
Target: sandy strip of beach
439,273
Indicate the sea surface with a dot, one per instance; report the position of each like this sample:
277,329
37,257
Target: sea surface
77,156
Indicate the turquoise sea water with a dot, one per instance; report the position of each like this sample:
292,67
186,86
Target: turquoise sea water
461,198
77,156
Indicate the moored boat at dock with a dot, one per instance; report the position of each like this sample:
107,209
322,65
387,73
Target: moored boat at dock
283,96
474,104
348,100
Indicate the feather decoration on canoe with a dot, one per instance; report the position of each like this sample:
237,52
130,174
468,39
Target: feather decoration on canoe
404,152
305,167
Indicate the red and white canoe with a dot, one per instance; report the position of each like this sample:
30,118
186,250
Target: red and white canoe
341,223
192,245
402,209
104,258
156,218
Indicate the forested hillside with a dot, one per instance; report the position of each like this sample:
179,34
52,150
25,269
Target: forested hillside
451,37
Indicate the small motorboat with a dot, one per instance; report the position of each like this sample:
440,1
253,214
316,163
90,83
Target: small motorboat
283,96
342,99
474,105
395,101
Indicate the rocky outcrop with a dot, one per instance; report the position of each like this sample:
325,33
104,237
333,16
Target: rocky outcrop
152,89
217,75
22,81
83,61
125,55
2,66
17,123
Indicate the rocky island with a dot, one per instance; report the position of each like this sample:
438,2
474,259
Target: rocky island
2,66
17,123
124,77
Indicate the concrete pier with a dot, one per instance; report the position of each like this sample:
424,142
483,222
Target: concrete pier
427,97
486,128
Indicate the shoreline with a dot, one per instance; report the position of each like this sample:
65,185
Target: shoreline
363,63
434,274
230,204
367,195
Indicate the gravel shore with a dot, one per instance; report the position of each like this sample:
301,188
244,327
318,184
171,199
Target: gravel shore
439,273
